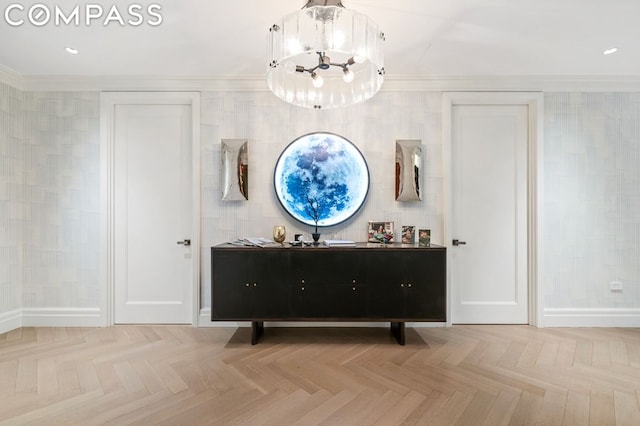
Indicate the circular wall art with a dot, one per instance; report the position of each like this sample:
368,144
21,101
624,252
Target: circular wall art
321,178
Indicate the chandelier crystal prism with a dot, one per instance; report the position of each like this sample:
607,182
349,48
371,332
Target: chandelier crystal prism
325,56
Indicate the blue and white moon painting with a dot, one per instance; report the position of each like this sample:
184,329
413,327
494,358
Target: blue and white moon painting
321,176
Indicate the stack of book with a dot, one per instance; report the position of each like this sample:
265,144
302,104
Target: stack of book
253,241
339,243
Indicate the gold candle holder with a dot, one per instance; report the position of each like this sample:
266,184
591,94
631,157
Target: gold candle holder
279,234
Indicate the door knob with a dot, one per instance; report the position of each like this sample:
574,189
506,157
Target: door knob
185,243
458,243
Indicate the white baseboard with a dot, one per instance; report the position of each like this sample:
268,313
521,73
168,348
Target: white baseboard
10,321
605,317
92,317
205,321
62,317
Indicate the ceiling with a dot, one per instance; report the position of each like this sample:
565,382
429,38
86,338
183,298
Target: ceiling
423,38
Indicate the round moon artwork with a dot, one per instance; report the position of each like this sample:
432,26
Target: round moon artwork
321,177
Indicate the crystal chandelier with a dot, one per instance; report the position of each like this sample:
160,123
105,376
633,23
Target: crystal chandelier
325,56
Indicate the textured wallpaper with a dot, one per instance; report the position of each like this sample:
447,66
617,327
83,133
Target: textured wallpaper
12,205
62,200
592,199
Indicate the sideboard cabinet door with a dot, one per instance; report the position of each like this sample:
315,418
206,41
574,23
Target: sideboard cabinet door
249,284
407,284
425,285
230,297
328,284
384,272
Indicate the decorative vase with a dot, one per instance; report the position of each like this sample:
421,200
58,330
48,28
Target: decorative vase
316,237
279,234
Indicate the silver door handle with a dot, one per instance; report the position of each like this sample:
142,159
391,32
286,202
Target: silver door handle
185,243
458,243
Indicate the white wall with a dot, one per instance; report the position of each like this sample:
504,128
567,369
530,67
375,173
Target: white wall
62,185
12,204
591,206
49,184
49,204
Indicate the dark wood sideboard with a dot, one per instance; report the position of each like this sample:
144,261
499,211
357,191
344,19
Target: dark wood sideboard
392,283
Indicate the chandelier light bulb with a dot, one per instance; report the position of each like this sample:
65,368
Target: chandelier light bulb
290,67
347,75
317,80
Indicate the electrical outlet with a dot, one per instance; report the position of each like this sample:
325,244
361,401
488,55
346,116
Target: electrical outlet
615,286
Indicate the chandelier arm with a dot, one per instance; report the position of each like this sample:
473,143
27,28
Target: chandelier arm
333,64
311,70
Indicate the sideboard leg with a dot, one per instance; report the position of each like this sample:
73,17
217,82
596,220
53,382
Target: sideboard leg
397,329
257,329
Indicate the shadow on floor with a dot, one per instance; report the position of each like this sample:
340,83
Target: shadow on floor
325,335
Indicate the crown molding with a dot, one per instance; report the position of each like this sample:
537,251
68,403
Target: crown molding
11,78
257,83
513,83
146,83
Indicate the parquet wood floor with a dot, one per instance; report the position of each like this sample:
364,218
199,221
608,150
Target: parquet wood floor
462,375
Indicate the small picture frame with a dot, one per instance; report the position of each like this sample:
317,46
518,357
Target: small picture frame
408,234
380,232
424,237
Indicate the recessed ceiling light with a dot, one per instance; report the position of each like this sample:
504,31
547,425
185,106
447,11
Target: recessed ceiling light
71,50
610,51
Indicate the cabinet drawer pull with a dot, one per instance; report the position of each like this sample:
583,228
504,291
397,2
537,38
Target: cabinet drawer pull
409,285
354,289
247,284
302,289
302,282
401,284
354,281
255,285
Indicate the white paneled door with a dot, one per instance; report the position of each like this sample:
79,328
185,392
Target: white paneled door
152,211
488,252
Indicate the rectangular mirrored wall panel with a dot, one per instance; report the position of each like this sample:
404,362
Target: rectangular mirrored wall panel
235,169
408,170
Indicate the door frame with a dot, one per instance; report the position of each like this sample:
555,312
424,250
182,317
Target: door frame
108,101
535,103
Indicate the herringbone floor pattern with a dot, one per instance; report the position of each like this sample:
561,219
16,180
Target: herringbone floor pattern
462,375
